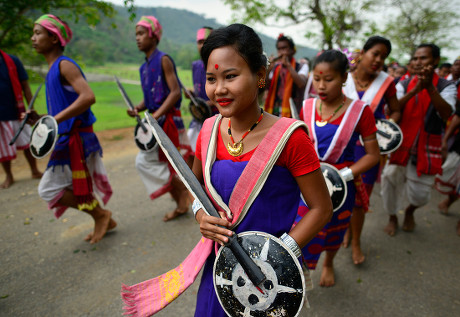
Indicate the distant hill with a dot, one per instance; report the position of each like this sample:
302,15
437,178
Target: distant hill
103,43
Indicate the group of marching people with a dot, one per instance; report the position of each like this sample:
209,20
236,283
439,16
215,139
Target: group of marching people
260,167
344,98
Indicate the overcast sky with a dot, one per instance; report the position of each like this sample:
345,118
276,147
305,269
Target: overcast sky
217,10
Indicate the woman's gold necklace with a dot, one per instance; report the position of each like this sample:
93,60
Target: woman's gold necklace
362,86
235,149
322,123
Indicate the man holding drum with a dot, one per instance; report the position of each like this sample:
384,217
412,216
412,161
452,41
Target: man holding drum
162,98
75,171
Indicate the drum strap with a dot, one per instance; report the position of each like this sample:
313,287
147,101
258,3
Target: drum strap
151,296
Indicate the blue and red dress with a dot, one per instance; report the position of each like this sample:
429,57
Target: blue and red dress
274,209
335,144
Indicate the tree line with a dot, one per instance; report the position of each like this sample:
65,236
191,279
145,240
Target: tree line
104,32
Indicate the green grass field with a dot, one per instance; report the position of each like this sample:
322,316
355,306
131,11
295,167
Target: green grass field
110,108
131,72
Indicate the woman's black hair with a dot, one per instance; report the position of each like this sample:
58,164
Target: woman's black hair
243,39
337,59
374,40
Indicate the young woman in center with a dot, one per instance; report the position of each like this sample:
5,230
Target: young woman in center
370,84
335,123
242,137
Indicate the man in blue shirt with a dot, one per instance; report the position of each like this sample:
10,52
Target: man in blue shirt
13,84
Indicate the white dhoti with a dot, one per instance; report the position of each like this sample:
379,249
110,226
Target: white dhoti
57,179
7,131
397,181
193,132
157,175
449,182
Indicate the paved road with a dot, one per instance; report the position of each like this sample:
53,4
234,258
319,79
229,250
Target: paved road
48,270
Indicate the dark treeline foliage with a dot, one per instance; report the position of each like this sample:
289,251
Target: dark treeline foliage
105,44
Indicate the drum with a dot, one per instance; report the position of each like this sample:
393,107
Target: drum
44,136
389,136
336,185
145,140
281,294
201,110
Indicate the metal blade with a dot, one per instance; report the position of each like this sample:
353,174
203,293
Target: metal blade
187,93
32,101
124,94
181,167
129,103
294,113
24,121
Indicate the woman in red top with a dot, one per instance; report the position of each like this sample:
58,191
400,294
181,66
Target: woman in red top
235,69
375,87
335,123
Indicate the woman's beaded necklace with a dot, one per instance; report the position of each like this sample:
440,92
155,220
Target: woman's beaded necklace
322,123
361,86
235,149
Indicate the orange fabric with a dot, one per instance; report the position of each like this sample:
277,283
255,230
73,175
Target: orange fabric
288,86
378,97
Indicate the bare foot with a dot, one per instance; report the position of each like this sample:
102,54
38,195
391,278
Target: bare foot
346,239
102,221
7,183
409,222
392,225
174,214
112,225
357,254
37,174
444,206
327,276
458,228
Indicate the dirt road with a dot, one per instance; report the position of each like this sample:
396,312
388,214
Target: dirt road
48,270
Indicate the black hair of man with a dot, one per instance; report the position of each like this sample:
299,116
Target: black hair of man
288,39
435,50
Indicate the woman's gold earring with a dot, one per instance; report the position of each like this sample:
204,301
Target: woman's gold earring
261,83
